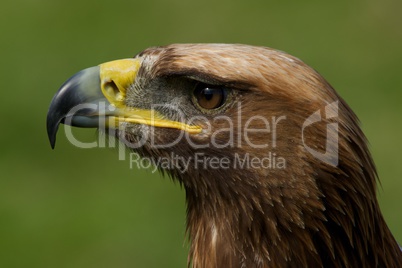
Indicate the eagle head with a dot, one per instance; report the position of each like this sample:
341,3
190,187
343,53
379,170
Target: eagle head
276,169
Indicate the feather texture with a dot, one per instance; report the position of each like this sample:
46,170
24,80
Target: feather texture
309,215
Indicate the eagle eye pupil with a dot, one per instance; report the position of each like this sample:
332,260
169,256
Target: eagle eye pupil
209,97
208,93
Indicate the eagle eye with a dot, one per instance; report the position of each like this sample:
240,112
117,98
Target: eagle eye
209,97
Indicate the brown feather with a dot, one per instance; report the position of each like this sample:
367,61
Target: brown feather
309,215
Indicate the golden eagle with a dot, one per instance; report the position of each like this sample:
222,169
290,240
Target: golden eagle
276,169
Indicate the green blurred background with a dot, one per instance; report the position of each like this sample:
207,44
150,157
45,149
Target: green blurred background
75,207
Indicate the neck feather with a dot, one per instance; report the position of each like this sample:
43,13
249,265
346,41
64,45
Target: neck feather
278,226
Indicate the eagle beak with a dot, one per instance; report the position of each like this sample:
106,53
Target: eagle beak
98,93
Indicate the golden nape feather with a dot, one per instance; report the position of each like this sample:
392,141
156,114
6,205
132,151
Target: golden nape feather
276,169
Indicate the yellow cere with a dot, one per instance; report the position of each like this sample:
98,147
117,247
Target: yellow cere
116,77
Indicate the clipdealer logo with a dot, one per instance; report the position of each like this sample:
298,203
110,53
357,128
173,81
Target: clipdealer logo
268,127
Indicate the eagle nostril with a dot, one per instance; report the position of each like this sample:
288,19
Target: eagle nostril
113,91
112,88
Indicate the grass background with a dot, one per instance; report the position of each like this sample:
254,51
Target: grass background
76,207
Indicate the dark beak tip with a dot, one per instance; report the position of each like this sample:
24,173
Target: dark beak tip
83,87
52,125
52,142
52,145
51,133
